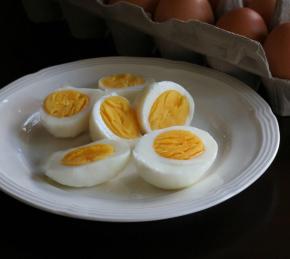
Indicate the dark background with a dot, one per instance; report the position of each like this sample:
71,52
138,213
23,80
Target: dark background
253,224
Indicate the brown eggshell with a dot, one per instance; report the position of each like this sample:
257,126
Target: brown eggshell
184,10
245,22
265,8
148,5
278,51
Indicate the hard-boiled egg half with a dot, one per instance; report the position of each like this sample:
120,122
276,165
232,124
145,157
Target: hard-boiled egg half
124,84
88,165
175,157
164,104
113,117
65,112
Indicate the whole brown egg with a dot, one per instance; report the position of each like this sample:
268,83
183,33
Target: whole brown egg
265,8
278,51
245,22
148,5
184,10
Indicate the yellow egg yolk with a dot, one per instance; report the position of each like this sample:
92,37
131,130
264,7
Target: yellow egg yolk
65,103
169,109
89,154
178,144
122,81
119,117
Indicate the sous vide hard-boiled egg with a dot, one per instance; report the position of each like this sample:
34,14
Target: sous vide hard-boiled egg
65,112
164,104
113,117
125,84
174,157
88,165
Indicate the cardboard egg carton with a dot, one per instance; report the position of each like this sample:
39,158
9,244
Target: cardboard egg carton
135,33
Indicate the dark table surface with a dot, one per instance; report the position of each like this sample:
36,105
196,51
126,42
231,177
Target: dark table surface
253,224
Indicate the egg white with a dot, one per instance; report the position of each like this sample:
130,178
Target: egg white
74,125
98,127
146,99
90,174
128,92
168,173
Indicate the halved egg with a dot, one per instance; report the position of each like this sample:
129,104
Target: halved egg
175,157
88,165
124,84
164,104
113,117
65,112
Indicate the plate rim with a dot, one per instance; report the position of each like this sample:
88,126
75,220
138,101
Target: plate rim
263,114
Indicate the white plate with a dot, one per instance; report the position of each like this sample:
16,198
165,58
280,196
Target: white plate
242,123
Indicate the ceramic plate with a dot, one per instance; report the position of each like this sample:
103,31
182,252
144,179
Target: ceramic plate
242,123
